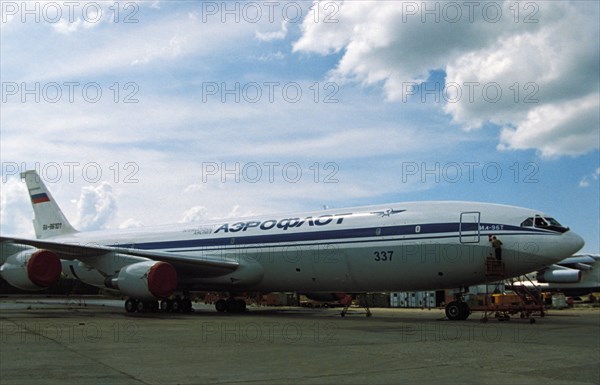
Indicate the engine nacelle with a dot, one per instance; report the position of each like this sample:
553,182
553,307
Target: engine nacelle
560,276
146,280
32,269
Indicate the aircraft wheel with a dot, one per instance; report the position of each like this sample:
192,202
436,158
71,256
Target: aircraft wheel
240,306
142,307
231,305
176,305
130,305
186,305
166,305
464,310
221,305
453,311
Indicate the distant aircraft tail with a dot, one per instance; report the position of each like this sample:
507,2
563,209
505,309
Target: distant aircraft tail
49,220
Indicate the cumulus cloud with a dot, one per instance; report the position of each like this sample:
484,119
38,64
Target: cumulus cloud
585,181
131,224
71,18
533,72
195,187
200,214
554,129
274,35
96,207
270,56
194,214
15,208
236,212
66,28
119,45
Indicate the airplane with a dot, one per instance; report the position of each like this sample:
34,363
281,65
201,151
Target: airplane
574,276
408,246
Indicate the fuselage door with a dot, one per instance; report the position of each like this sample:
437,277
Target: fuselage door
468,228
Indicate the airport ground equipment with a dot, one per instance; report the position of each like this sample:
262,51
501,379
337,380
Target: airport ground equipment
524,300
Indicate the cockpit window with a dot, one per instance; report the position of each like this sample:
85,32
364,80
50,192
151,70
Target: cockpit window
547,223
540,222
527,222
553,222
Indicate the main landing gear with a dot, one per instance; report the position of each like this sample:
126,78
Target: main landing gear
457,310
231,305
175,305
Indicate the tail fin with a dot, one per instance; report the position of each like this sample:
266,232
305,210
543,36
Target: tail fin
49,220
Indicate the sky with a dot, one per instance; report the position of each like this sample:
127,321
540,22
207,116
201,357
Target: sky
140,113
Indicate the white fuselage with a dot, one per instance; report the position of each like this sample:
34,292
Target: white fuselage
394,247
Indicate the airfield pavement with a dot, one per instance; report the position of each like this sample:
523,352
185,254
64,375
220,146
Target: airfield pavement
93,341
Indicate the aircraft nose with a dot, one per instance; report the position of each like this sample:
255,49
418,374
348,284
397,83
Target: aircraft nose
574,242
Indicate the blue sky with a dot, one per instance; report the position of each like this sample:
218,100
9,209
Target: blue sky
372,102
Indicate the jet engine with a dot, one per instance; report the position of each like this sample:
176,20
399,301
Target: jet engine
32,269
146,280
560,276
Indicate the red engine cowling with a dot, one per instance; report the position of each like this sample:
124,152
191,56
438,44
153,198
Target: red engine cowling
32,269
147,280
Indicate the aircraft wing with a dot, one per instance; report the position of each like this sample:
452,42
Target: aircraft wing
568,270
583,262
204,265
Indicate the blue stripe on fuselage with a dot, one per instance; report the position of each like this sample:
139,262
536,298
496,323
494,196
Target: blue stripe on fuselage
346,234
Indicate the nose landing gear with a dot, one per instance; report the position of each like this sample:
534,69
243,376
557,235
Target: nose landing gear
457,311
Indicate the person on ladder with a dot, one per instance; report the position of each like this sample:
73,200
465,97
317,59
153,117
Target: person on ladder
497,245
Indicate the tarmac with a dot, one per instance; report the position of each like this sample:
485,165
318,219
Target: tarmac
94,341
